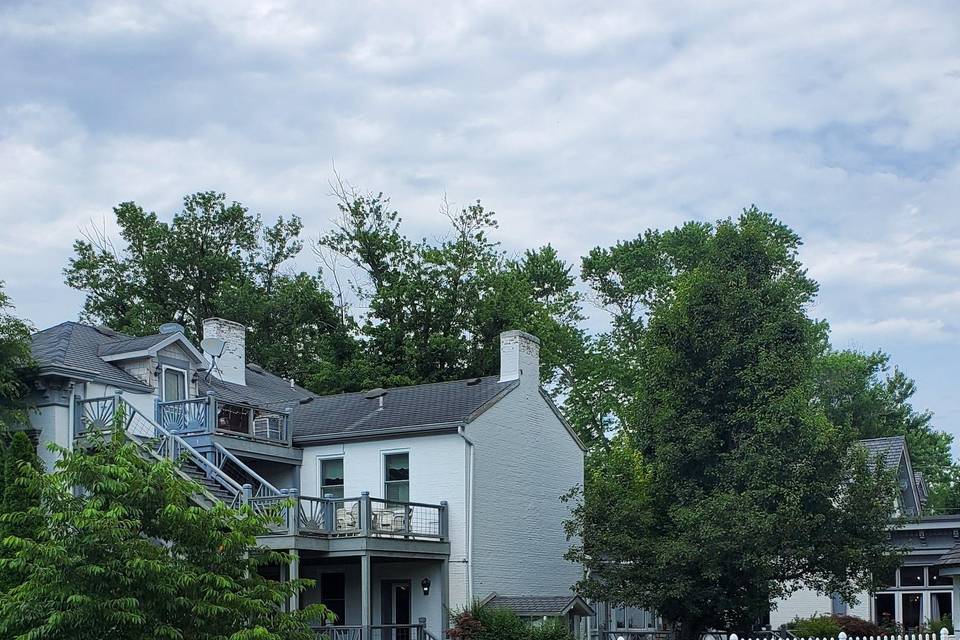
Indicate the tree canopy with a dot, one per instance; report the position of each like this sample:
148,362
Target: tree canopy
132,555
726,486
214,258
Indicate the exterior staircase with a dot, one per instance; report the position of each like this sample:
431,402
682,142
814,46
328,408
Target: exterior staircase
220,474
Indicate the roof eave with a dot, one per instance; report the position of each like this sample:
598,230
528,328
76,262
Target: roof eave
88,375
374,434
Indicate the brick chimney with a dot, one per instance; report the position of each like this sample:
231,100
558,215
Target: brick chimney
232,365
519,357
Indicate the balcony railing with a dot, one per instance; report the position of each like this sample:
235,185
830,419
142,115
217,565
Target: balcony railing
210,415
363,516
376,632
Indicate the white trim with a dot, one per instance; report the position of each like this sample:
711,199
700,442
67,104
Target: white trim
152,351
330,456
383,470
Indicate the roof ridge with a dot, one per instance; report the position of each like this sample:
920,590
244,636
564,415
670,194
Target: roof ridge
408,386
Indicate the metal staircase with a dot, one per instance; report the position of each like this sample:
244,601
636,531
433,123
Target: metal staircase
222,475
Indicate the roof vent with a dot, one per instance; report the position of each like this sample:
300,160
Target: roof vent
373,394
107,331
171,327
255,367
474,381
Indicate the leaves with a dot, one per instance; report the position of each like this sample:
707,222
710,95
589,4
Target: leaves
131,555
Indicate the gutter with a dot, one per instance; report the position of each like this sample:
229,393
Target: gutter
347,436
468,499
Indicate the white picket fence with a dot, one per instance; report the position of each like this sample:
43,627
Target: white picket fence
943,635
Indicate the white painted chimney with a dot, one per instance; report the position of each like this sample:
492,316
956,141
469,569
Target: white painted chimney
232,365
519,357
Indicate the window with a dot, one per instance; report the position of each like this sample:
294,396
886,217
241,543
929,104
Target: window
912,604
937,580
333,594
911,576
941,604
174,384
884,609
331,478
396,476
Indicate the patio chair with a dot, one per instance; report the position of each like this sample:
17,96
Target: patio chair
348,519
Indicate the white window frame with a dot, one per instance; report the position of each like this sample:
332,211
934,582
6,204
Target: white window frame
163,381
383,471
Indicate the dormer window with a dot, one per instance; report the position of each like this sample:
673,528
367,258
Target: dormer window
173,384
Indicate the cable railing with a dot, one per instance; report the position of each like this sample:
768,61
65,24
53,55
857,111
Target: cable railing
363,516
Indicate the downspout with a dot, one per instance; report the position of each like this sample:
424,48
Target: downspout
468,460
71,415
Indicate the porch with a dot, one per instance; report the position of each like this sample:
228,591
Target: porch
375,595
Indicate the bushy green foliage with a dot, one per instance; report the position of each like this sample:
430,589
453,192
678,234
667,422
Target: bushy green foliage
727,486
15,358
19,500
127,553
479,622
815,627
934,625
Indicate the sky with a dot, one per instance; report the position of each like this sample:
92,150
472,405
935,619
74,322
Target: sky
580,125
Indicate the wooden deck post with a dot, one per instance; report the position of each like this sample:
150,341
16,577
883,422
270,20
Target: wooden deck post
294,573
365,617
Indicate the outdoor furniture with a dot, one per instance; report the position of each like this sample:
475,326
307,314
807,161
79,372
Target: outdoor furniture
394,519
348,519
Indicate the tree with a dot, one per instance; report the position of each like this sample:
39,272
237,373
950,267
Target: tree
726,487
214,258
132,555
15,358
434,310
860,391
20,499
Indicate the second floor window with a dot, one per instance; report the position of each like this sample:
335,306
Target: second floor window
331,478
174,384
396,475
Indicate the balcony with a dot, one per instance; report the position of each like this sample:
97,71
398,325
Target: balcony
363,517
262,432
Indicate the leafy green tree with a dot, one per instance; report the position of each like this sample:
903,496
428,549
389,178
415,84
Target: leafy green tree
18,515
726,487
860,391
132,555
214,258
15,358
433,310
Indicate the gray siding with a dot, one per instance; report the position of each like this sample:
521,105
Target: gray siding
525,459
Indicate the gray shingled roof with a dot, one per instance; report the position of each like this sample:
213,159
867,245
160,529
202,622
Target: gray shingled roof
951,558
127,344
352,414
889,450
540,605
75,346
441,403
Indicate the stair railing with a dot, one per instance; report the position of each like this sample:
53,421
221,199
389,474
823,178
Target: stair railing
221,455
98,414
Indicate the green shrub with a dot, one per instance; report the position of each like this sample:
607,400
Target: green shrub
484,623
934,625
815,627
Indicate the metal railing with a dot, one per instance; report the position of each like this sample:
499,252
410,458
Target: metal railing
376,632
262,488
202,415
363,516
101,415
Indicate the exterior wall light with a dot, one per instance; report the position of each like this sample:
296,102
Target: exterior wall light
425,584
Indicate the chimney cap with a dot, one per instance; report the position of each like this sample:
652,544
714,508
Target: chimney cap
519,334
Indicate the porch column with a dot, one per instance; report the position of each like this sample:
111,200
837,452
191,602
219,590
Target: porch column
365,618
294,574
445,593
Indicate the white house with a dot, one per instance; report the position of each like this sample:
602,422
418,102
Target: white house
412,501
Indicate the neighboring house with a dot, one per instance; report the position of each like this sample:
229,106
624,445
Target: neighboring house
922,589
411,502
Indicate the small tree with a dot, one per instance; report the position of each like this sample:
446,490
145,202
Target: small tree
127,553
15,357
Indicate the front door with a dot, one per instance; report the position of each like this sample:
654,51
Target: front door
395,609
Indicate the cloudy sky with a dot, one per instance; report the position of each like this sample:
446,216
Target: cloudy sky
578,126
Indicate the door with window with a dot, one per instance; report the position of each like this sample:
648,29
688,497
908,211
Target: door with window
173,384
395,609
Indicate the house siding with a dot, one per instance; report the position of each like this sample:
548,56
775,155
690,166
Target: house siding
525,460
437,473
